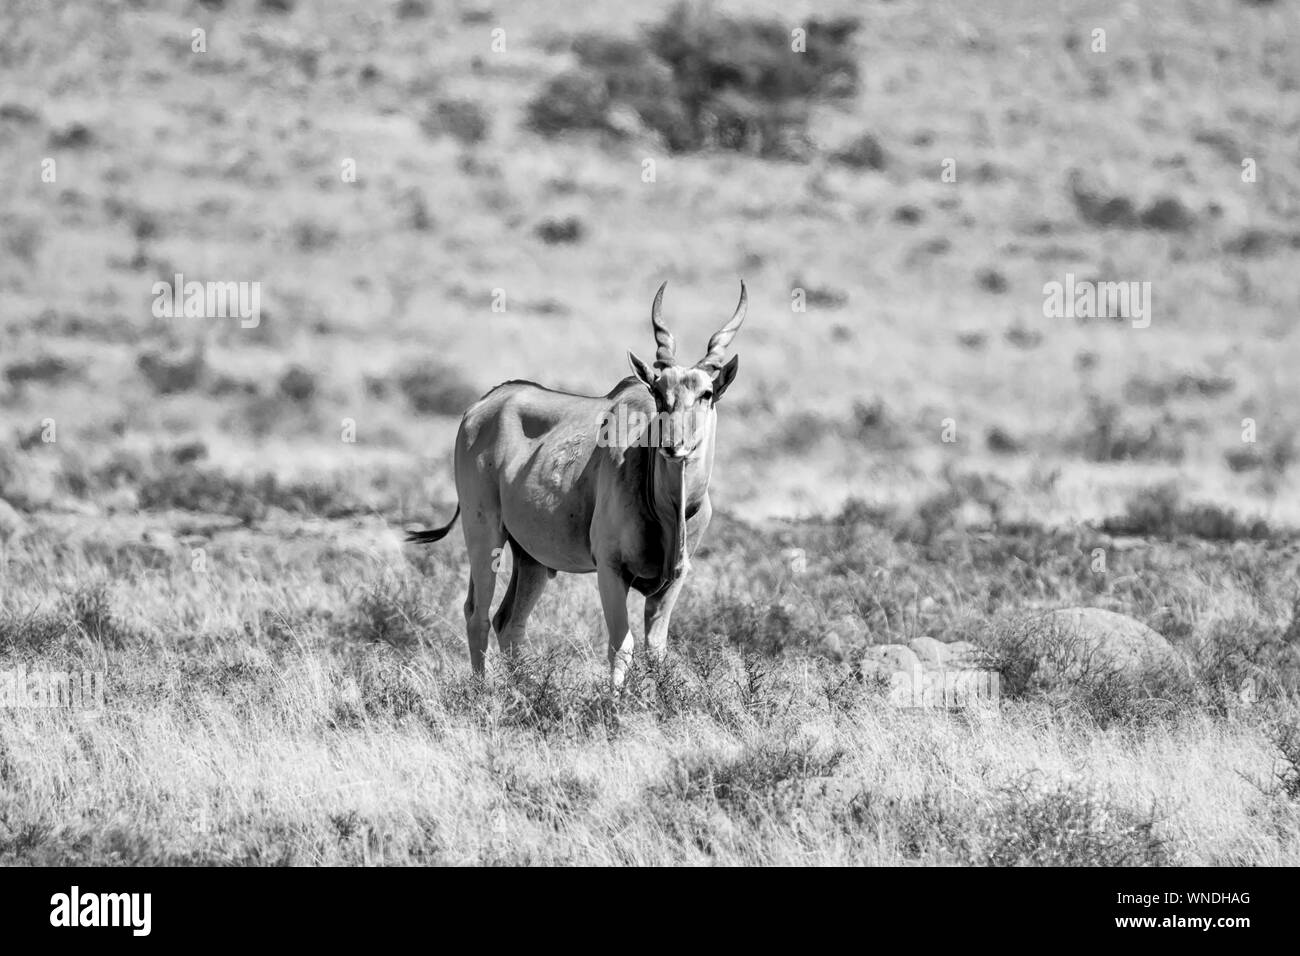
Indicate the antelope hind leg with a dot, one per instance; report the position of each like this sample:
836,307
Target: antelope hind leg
527,582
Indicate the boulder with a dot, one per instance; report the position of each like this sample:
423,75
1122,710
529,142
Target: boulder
963,654
888,658
1076,641
899,666
954,655
930,651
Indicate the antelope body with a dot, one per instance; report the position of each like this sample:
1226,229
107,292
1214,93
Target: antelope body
580,483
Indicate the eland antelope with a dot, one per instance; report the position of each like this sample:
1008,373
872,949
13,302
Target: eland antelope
616,484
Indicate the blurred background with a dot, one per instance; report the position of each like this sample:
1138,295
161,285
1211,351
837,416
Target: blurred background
436,196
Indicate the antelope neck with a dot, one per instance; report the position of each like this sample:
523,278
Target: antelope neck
665,484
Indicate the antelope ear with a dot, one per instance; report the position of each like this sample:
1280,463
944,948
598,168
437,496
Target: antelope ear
724,377
644,372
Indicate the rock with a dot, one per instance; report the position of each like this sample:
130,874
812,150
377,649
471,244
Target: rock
899,666
929,673
887,658
962,654
929,651
1078,640
956,655
12,523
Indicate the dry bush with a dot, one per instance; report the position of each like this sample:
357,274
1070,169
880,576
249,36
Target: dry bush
390,610
42,368
1287,741
463,120
1069,825
1107,436
1039,660
211,491
762,781
701,79
170,374
1160,511
437,389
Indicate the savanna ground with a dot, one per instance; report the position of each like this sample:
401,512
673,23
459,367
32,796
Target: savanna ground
287,683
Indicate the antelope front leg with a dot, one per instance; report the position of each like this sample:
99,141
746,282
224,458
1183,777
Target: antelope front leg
613,599
658,609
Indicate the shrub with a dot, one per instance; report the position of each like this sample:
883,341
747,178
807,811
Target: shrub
171,374
873,424
390,611
927,825
1240,655
91,611
390,689
558,231
799,433
309,235
552,800
762,780
1287,741
44,368
208,490
1038,660
1107,437
437,390
1002,442
702,79
545,692
768,627
297,383
570,101
864,152
1169,214
32,633
463,120
1159,511
1068,825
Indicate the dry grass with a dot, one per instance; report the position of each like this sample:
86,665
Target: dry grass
309,702
383,762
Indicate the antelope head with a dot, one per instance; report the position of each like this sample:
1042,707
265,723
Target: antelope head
685,396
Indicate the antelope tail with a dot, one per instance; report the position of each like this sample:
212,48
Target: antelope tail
436,534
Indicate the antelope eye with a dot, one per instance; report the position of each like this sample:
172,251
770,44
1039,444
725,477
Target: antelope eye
706,395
